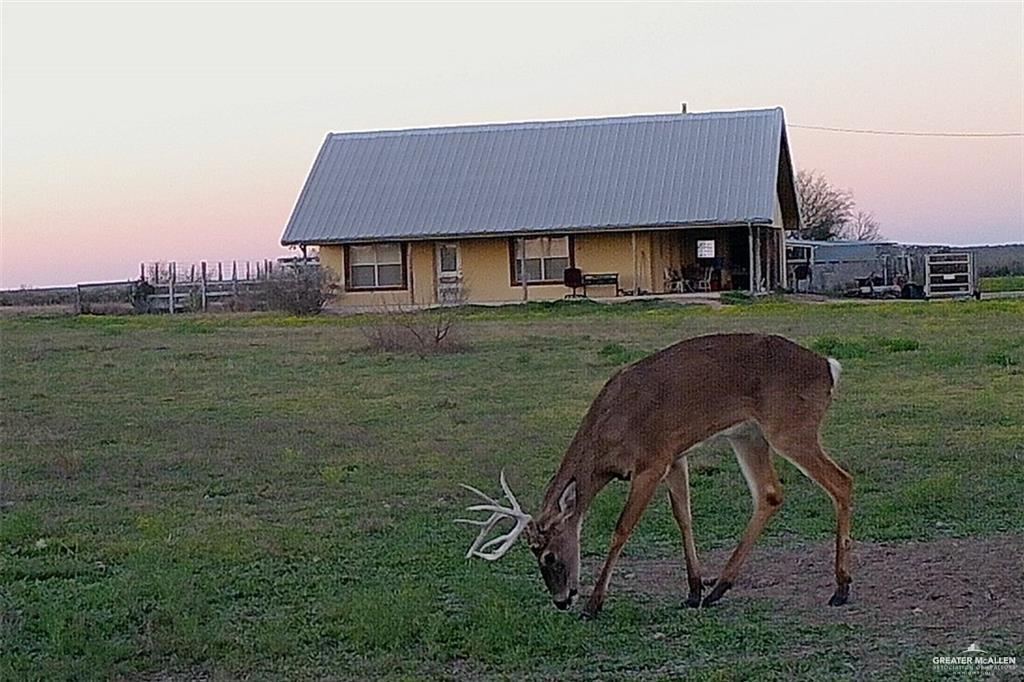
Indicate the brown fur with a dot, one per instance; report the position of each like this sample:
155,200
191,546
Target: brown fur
771,394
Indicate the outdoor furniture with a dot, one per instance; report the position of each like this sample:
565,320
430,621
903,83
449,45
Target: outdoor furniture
673,281
703,283
601,279
573,279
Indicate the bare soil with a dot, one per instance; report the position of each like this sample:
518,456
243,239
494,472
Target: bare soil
945,593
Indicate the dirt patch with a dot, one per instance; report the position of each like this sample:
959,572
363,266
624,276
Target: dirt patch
927,593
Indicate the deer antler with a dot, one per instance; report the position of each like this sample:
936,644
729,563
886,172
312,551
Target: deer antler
499,512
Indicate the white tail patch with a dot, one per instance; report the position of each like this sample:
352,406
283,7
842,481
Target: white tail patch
834,369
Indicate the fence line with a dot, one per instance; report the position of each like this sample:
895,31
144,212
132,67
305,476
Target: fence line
196,285
167,286
162,272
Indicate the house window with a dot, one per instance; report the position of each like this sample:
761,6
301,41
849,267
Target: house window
376,266
448,255
545,260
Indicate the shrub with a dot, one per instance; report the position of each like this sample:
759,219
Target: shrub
431,332
298,290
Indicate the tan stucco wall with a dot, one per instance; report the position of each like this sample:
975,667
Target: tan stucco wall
421,273
485,271
331,258
418,257
486,277
485,266
613,252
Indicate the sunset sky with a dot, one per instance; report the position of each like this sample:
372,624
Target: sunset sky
142,132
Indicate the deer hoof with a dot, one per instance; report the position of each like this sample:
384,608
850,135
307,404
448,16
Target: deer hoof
720,588
591,610
840,596
693,601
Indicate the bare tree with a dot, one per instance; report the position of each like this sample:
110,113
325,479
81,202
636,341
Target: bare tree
863,227
824,208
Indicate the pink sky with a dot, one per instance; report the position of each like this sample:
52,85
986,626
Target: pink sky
156,131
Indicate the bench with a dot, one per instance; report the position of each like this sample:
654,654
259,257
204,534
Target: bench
601,279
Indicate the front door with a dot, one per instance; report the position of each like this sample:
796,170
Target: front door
449,274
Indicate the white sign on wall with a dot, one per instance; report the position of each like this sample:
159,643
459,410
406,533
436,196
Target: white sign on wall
705,248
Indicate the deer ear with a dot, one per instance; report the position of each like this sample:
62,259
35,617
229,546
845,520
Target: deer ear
567,502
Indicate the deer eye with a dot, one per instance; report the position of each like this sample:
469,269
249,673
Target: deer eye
548,558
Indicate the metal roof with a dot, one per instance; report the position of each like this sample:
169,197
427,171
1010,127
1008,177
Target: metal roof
553,176
842,251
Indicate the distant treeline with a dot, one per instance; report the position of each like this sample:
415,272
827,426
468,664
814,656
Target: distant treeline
1004,259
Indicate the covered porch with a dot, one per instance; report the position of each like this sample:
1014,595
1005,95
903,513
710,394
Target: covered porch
748,258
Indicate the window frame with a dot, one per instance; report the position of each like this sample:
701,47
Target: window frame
403,249
516,282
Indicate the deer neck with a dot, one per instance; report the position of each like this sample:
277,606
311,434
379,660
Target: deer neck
575,467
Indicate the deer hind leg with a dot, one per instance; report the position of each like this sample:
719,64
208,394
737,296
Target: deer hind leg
803,448
755,459
640,493
678,481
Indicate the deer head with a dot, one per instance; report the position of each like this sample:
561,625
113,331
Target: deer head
553,537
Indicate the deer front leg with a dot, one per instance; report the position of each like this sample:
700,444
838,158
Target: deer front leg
640,494
678,481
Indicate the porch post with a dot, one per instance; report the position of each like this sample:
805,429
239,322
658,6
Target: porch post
522,268
783,274
750,259
758,243
757,259
636,281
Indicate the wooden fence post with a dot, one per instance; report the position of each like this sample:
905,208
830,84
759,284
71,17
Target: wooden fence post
170,289
202,285
220,271
234,279
78,299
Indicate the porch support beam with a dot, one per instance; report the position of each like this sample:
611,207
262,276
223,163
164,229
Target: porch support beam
757,259
750,259
522,269
783,266
636,278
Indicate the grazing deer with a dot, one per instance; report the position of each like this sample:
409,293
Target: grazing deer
760,392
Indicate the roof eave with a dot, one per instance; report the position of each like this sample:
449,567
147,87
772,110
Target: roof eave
590,229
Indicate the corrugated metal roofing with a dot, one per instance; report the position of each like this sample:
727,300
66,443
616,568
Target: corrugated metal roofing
842,251
556,176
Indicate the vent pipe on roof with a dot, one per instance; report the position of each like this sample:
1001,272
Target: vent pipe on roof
683,107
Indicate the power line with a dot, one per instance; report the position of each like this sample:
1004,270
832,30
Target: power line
904,133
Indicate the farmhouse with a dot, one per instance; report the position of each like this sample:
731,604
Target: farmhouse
654,204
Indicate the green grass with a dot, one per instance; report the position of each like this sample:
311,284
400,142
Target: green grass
259,496
1003,283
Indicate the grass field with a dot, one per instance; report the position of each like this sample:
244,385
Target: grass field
258,496
1004,283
